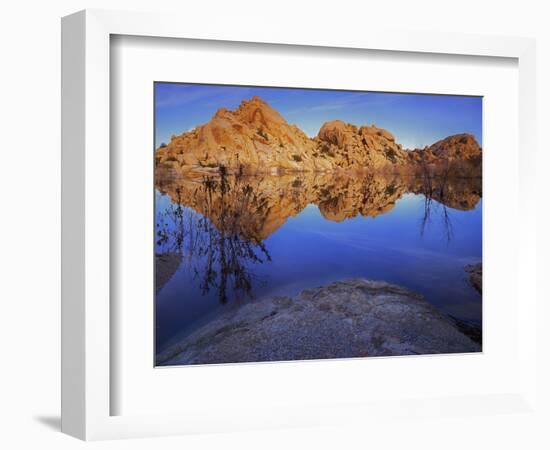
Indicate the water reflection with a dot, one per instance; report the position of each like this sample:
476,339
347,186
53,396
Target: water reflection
215,251
219,224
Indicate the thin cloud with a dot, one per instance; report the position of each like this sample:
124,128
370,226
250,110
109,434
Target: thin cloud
348,101
185,95
180,98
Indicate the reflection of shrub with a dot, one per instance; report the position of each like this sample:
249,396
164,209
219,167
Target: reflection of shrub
163,144
297,158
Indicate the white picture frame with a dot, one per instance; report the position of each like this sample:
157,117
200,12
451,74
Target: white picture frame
86,222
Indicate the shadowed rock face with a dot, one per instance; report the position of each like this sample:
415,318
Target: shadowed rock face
166,265
255,138
476,276
346,319
256,206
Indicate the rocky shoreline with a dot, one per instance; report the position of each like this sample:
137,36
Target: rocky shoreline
475,272
166,265
345,319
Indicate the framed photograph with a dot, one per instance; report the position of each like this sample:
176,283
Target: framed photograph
266,243
263,229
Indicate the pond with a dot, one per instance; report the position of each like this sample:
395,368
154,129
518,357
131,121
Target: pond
223,241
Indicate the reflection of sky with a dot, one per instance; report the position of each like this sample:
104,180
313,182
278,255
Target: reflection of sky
415,120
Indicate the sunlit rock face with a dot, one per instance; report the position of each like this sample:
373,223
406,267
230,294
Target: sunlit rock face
348,146
460,146
252,138
345,319
254,207
255,138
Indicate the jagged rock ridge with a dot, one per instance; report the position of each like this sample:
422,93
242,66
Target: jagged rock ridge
255,138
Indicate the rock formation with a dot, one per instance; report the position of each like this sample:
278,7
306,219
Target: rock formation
460,146
475,273
254,138
346,319
348,146
166,265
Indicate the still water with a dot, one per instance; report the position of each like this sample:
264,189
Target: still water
222,241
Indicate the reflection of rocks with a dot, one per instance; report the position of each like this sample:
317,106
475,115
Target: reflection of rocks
457,193
476,275
166,265
258,205
254,138
352,318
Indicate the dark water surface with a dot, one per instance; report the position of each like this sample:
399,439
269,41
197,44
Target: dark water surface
232,239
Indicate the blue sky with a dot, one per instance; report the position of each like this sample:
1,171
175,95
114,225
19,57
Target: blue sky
415,120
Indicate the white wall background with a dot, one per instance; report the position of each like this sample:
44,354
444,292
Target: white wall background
29,225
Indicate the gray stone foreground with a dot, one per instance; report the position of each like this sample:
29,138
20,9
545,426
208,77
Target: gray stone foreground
351,318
